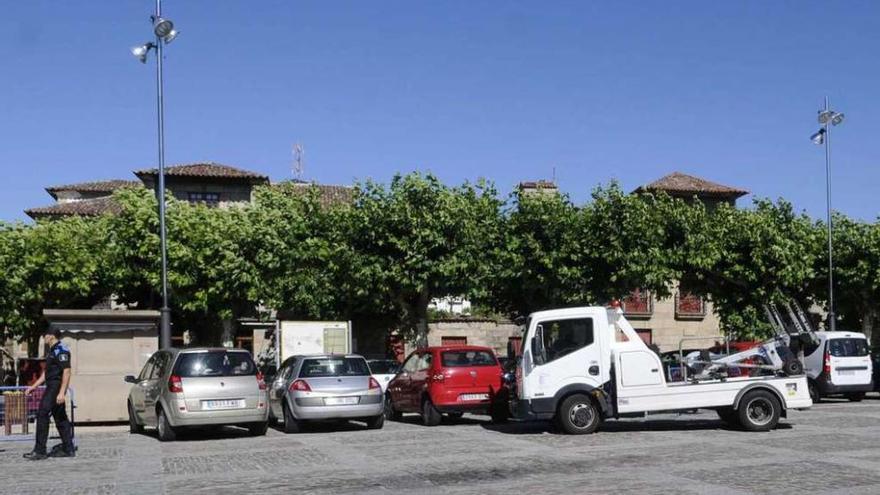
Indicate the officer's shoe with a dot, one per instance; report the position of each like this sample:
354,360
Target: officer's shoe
35,456
62,453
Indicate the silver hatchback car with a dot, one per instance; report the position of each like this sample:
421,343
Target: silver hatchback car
326,387
198,387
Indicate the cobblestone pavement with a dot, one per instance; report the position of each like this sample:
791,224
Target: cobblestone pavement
833,448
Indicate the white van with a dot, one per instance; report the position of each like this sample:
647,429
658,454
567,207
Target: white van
839,365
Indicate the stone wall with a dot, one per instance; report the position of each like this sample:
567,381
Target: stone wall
483,332
667,330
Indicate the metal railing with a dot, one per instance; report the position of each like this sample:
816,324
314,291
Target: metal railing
18,412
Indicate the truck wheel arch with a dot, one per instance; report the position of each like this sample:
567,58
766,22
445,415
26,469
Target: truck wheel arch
599,398
760,386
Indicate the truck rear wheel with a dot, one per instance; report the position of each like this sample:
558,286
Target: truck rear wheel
759,410
578,415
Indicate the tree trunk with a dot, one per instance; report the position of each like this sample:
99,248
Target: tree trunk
868,325
422,318
227,337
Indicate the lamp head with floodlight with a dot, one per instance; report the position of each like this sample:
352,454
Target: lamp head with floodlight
141,51
818,137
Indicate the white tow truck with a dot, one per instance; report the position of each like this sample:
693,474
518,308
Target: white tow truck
582,365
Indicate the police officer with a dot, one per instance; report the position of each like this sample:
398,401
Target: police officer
56,376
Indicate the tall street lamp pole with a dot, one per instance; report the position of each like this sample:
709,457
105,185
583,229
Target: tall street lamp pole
828,118
165,33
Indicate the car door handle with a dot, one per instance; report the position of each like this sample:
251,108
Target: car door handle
654,370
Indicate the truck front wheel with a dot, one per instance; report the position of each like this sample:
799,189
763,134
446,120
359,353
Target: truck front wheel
759,410
578,415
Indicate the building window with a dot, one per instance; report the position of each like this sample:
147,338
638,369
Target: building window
689,305
638,303
453,340
646,335
209,198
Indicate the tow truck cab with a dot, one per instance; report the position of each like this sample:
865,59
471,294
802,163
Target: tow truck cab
581,365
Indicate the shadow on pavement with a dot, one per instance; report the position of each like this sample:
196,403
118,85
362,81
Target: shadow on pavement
611,426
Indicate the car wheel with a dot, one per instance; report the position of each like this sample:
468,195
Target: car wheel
291,425
133,425
376,422
814,392
578,415
258,429
166,431
430,415
855,396
391,414
728,415
759,410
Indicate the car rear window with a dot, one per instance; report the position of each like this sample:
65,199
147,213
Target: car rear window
341,366
453,359
384,367
214,363
848,347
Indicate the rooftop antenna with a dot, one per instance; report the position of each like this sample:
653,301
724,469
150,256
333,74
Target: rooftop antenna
554,175
298,165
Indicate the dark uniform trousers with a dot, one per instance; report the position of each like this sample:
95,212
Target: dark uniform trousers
48,407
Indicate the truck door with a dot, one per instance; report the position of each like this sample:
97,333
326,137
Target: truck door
563,352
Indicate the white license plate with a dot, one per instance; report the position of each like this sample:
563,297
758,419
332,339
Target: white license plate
473,397
214,405
846,372
340,401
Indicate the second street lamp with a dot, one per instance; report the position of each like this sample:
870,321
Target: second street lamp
165,33
828,118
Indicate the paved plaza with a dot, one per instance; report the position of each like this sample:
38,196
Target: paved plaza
833,448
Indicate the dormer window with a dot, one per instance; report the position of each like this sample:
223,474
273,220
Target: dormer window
209,198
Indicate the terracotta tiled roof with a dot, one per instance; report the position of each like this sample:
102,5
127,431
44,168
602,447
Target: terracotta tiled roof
679,184
85,207
107,186
205,170
330,194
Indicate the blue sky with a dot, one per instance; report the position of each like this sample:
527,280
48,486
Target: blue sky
466,89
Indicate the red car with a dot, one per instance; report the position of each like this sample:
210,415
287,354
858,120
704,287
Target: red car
448,380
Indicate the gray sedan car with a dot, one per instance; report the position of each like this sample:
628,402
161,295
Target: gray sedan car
198,387
326,387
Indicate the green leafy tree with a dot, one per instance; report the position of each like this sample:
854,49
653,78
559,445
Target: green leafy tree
418,239
856,273
211,280
53,264
744,258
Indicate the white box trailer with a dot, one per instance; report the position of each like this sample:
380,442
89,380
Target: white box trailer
582,365
312,337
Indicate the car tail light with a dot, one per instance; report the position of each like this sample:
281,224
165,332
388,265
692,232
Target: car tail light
301,386
261,381
374,384
175,385
827,368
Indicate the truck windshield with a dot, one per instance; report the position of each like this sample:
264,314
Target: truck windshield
214,363
848,347
336,366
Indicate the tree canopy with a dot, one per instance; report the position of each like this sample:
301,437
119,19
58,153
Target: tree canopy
384,255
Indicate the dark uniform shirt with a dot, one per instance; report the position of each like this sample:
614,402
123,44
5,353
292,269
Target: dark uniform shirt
57,361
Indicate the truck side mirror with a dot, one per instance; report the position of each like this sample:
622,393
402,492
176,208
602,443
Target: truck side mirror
538,346
130,379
